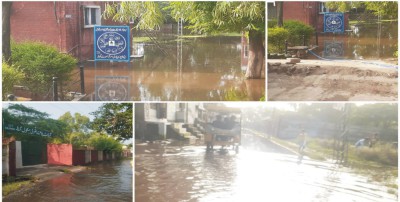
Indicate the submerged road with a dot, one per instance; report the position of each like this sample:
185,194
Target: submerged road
105,181
260,172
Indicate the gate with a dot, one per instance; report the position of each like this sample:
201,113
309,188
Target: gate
33,153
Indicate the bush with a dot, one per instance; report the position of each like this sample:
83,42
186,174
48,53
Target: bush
40,62
104,143
11,76
272,23
384,154
296,31
276,39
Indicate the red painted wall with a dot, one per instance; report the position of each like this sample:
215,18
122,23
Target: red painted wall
95,155
59,154
78,157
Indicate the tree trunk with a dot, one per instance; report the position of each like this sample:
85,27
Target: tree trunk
6,31
279,13
256,63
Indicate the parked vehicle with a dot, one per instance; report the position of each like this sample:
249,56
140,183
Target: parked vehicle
222,127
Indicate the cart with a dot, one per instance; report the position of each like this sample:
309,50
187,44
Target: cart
222,127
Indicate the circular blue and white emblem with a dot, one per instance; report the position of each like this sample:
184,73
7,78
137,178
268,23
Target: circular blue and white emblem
111,43
112,91
334,22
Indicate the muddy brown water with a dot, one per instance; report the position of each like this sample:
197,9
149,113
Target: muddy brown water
208,69
368,41
106,181
187,173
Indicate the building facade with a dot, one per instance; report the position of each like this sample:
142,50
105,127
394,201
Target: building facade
67,25
308,12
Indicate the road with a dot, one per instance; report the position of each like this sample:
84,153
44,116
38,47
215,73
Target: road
260,172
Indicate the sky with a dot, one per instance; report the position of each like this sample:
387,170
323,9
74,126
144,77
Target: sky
55,110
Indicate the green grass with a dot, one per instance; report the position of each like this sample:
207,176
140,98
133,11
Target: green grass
352,22
236,95
65,170
141,39
209,35
12,184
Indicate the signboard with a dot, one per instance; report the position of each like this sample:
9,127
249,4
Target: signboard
112,88
26,130
333,49
334,22
111,43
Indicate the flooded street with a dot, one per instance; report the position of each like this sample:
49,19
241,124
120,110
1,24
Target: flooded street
259,172
192,69
106,181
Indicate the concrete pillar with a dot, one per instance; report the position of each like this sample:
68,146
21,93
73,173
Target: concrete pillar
5,165
162,129
100,155
18,154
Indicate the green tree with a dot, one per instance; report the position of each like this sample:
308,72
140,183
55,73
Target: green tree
20,115
144,14
115,120
11,77
225,16
203,17
105,143
387,9
40,62
77,130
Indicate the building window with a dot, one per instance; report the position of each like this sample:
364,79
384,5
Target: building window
246,51
323,8
92,16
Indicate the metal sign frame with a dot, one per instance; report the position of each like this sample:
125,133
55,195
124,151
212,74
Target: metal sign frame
334,22
111,43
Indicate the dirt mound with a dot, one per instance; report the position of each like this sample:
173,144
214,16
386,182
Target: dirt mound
330,81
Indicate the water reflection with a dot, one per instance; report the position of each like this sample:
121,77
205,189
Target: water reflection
171,173
106,181
188,69
366,41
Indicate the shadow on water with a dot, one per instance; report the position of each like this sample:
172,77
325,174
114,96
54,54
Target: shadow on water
205,69
192,174
106,181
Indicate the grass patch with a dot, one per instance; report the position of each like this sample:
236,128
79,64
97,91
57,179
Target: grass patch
236,95
209,35
65,170
12,184
353,22
141,39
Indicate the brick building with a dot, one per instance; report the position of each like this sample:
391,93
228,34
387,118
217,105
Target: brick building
67,25
308,12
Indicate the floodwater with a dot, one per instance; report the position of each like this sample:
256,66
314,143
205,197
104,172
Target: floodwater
105,181
195,69
258,173
372,41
